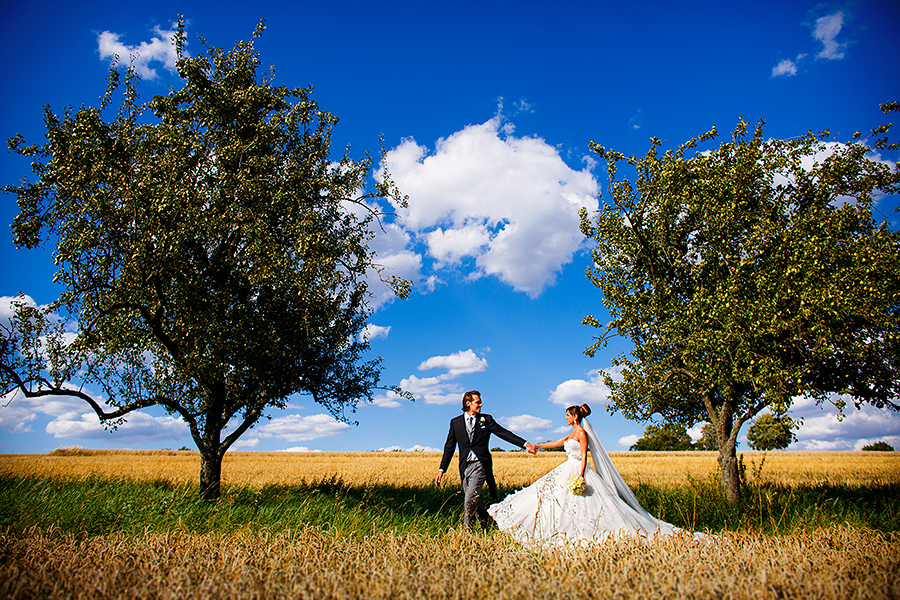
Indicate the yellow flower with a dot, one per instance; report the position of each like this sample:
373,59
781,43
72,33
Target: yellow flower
576,485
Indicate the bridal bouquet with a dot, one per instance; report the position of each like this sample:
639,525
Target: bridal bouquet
576,485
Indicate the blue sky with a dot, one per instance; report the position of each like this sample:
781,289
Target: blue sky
487,109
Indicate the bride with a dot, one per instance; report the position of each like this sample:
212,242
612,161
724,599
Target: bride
549,512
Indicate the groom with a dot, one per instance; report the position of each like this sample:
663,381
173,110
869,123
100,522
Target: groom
471,431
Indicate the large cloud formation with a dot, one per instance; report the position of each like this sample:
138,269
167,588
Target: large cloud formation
493,204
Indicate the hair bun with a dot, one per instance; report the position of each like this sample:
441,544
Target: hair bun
585,410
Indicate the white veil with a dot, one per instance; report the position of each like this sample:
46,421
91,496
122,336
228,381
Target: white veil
607,470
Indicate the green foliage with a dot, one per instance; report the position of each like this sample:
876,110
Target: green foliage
662,438
97,506
879,447
213,252
707,441
746,276
769,432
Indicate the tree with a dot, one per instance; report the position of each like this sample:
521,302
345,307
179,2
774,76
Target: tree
707,441
664,438
769,432
879,447
748,275
556,449
214,255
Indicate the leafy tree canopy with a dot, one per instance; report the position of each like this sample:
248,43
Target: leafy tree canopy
879,447
748,275
770,432
213,253
707,441
664,438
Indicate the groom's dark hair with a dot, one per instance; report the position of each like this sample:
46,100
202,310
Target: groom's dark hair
468,397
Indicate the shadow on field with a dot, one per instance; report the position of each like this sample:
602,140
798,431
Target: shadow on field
335,503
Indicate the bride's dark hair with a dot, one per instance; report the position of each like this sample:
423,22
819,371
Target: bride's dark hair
580,412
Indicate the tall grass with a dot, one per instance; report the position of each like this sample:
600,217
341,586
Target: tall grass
98,506
126,525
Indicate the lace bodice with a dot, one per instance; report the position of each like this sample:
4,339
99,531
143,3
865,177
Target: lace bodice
573,449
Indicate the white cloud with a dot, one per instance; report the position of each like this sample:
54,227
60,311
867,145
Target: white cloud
507,204
628,441
526,423
296,428
139,428
821,429
785,67
452,245
827,29
458,363
416,448
16,413
393,255
298,449
696,432
159,49
374,332
245,443
6,307
440,389
822,153
822,445
592,391
433,390
388,400
71,420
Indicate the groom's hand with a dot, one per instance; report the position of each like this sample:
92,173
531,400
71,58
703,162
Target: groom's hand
529,447
437,480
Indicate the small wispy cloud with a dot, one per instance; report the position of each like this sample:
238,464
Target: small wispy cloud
523,106
785,67
827,29
416,448
635,121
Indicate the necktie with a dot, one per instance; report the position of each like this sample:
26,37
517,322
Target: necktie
470,426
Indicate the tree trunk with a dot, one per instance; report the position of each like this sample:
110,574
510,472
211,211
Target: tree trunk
722,418
210,474
731,477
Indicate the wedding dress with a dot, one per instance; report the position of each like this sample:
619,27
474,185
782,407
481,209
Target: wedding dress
546,513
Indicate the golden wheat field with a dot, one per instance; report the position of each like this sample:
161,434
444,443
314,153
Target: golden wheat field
835,563
310,562
513,469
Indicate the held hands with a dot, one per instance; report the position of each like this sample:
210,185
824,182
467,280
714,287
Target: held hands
531,448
